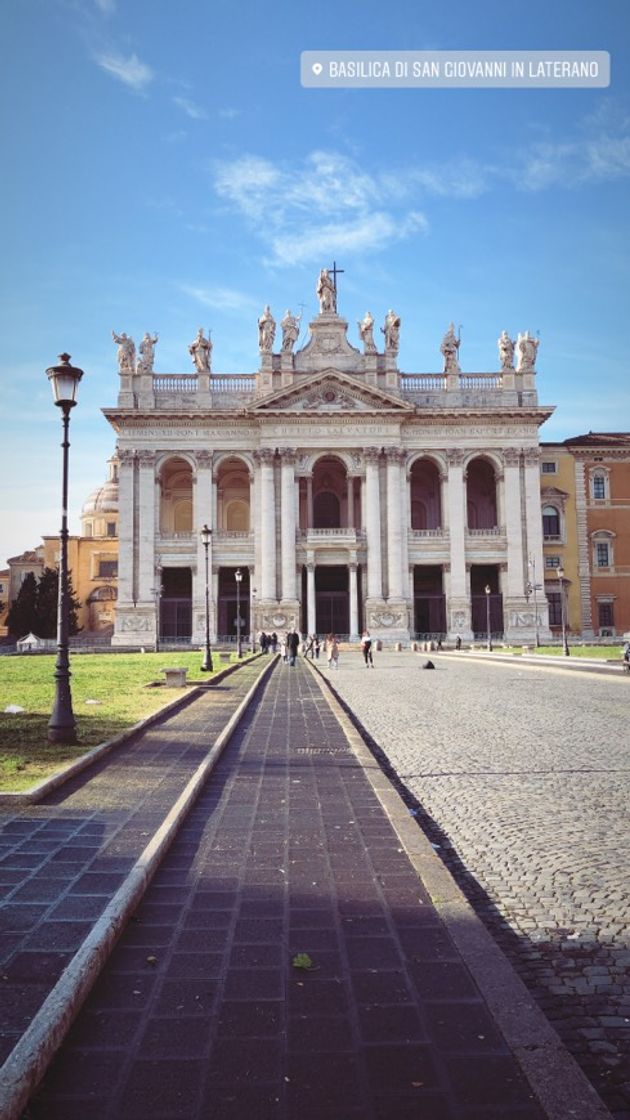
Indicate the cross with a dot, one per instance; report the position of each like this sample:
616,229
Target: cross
335,272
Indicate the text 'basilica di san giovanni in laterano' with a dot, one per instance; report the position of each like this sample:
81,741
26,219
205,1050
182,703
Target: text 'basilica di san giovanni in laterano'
347,494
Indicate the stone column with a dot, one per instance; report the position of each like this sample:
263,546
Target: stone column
203,514
354,601
125,527
395,458
459,600
373,523
534,533
515,580
288,524
267,526
309,501
146,526
310,594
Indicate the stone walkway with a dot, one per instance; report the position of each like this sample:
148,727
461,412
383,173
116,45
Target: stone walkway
62,860
522,777
287,856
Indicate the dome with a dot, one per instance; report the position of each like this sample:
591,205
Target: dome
102,500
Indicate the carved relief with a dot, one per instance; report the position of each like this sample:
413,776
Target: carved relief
371,454
146,458
204,459
126,457
455,456
387,618
511,456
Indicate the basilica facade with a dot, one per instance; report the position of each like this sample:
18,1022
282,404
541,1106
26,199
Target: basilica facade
345,493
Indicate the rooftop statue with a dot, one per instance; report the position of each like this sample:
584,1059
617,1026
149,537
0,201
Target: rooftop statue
366,333
126,352
290,331
450,350
326,293
146,348
391,330
506,350
266,330
527,348
201,351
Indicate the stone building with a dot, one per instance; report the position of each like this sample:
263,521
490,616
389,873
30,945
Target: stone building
602,489
348,493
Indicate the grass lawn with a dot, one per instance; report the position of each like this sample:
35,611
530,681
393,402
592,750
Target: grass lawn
117,681
604,653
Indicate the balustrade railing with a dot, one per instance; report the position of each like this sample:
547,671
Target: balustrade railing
175,382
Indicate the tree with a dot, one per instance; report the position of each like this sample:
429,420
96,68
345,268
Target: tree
47,600
22,617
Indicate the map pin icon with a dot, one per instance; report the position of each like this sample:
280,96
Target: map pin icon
317,68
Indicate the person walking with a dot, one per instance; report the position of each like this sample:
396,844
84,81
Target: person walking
366,649
332,651
293,645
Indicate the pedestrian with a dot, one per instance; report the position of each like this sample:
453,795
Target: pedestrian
274,642
316,647
332,651
310,647
458,642
293,645
283,647
366,649
264,642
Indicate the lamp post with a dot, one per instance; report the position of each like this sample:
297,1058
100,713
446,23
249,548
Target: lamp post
207,667
157,594
563,615
238,576
533,587
488,638
64,380
252,628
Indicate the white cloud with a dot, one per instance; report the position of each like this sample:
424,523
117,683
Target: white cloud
219,299
189,107
106,6
328,203
229,114
131,71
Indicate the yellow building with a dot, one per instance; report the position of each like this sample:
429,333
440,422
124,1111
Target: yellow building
93,556
560,537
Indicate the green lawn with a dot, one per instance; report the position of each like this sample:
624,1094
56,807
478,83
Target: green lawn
603,652
117,681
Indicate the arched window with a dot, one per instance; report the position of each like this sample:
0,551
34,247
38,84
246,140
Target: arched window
551,523
424,482
326,510
481,495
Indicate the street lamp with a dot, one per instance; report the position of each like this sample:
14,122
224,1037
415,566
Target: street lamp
157,593
252,629
563,615
64,380
487,590
207,667
533,587
238,576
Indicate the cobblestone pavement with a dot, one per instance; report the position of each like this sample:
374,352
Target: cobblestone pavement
62,860
522,777
201,1011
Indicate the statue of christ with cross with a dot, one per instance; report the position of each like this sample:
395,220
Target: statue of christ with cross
327,289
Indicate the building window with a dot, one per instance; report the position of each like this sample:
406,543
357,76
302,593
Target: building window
606,615
551,523
552,561
549,467
555,608
88,529
602,554
107,569
111,528
599,486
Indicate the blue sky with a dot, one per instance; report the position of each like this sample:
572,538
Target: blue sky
164,169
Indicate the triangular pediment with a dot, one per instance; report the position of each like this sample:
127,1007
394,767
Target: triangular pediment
330,392
553,492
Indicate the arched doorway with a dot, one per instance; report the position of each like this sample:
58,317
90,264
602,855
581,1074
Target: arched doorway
332,599
426,504
233,497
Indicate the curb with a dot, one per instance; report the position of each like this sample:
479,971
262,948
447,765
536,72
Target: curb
538,661
561,1088
41,790
30,1058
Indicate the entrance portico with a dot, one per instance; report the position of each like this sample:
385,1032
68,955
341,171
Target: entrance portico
351,494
